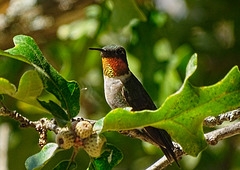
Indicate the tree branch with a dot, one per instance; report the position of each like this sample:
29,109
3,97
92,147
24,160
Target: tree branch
218,120
24,122
217,135
41,125
164,162
212,138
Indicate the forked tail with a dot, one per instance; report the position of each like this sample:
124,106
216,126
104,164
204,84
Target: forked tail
163,139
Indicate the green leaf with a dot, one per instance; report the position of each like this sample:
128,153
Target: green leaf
30,87
191,67
182,114
98,126
67,165
59,156
6,87
1,97
59,114
110,158
124,11
17,57
42,157
67,93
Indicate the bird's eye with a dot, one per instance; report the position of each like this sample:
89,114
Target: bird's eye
120,51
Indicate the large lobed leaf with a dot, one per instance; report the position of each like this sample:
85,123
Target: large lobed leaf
182,114
67,92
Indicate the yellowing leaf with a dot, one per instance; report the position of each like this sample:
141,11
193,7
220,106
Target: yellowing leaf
30,87
6,87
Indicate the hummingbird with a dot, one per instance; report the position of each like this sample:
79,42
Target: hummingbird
122,89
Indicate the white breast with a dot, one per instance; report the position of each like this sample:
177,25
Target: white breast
114,93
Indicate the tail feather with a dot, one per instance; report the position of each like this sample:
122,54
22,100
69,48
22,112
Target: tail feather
163,139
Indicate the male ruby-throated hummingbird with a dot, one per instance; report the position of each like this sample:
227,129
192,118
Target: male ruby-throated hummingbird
122,89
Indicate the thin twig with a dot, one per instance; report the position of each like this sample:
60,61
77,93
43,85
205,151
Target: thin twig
212,138
163,162
41,125
215,136
218,120
24,122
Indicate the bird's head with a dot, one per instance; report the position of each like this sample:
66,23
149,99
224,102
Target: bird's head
114,60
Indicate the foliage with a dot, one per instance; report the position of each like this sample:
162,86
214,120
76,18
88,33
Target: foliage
40,158
111,157
67,92
31,86
184,110
159,45
180,112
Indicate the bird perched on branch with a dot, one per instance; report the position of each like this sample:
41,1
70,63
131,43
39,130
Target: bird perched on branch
123,89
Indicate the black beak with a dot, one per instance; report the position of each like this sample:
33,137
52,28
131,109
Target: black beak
98,49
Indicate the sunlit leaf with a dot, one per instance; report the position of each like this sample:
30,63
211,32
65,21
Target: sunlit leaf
29,88
182,114
98,125
66,92
6,87
42,157
18,57
191,67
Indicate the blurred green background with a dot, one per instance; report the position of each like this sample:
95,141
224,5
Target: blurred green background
160,36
